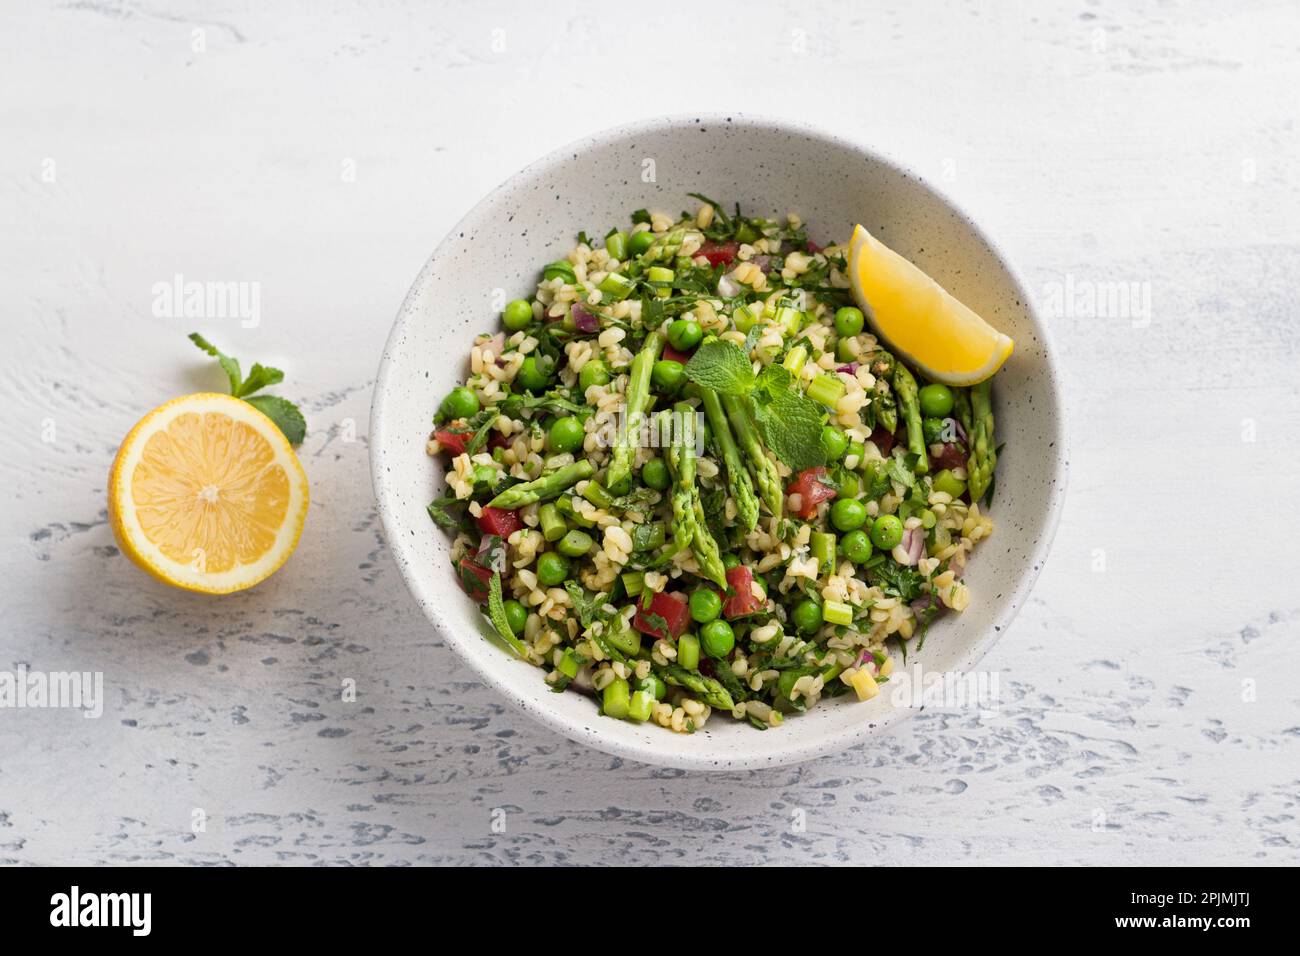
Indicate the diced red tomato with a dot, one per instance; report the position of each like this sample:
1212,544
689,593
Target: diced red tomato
740,581
672,355
453,443
719,253
883,440
813,487
474,579
499,521
671,607
953,456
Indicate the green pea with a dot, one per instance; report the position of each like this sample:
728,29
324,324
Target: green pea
562,270
730,561
460,402
655,474
517,315
534,375
936,400
574,544
639,242
849,485
516,616
848,321
717,638
685,334
566,434
856,546
856,450
593,373
668,376
887,532
835,443
807,615
652,685
843,353
706,605
552,568
848,514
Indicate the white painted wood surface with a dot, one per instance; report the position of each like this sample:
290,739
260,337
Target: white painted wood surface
321,150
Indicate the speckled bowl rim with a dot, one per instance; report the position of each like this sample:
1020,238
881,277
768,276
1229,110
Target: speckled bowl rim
799,748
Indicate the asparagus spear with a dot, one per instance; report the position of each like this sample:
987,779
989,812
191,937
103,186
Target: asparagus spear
618,479
665,248
983,456
910,403
682,497
961,409
686,495
767,481
738,480
540,489
710,691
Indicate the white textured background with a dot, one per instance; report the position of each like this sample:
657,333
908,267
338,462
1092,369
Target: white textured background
1150,710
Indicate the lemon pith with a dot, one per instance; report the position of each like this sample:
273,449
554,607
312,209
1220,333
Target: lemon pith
919,319
206,494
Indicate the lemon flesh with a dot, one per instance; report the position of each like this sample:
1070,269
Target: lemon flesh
919,319
206,494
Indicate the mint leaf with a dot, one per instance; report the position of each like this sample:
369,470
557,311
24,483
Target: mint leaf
284,413
497,615
259,377
789,423
228,364
722,367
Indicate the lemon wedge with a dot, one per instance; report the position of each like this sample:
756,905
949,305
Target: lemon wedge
206,494
919,319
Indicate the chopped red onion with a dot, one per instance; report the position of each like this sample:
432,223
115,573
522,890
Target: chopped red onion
851,368
583,320
913,544
764,263
728,287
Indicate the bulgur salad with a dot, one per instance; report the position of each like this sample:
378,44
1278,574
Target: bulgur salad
685,477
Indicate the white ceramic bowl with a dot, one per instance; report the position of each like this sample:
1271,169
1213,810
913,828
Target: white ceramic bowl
769,167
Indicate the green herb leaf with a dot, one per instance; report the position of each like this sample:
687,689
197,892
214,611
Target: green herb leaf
897,580
229,365
448,512
721,366
284,413
789,423
497,615
259,377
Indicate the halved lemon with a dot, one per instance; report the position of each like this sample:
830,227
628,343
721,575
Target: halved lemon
921,320
206,494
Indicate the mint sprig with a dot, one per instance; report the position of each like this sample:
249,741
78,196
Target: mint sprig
789,422
286,415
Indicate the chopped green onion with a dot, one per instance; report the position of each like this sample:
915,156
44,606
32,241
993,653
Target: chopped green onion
826,389
822,547
616,245
633,582
688,651
795,360
615,287
553,525
597,495
790,320
642,704
836,612
744,319
624,638
616,699
661,280
569,664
